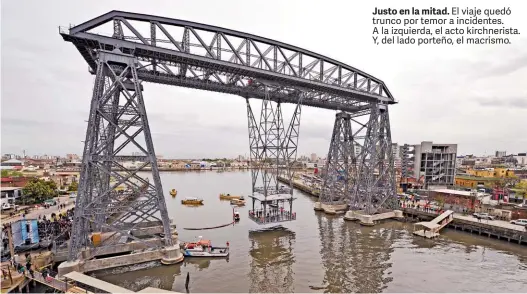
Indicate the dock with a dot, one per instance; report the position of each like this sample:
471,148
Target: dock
431,229
473,226
458,222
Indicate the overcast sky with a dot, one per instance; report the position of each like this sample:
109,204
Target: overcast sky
475,96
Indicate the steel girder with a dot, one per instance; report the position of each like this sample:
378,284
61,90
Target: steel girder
340,168
195,55
117,121
375,185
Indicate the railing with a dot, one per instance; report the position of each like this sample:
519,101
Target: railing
258,217
49,281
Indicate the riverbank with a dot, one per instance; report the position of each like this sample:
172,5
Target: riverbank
497,229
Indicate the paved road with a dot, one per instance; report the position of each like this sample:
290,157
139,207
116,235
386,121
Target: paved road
34,213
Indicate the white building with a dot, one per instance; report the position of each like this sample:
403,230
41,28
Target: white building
313,157
435,162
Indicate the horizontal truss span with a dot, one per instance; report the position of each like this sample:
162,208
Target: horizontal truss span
216,59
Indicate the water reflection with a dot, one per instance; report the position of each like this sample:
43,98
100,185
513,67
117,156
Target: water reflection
272,259
153,274
355,259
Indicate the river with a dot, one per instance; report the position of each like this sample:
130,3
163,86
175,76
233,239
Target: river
319,253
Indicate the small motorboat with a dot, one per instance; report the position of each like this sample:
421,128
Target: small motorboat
238,202
229,197
173,192
204,248
236,216
192,201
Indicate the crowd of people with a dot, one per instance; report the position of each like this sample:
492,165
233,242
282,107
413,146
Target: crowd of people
57,225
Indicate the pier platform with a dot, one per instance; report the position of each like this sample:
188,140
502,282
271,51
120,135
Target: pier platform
331,208
493,229
431,229
370,220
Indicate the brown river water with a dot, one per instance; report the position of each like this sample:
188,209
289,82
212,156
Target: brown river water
319,253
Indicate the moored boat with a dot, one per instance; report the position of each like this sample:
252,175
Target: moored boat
192,201
173,192
204,248
224,196
238,202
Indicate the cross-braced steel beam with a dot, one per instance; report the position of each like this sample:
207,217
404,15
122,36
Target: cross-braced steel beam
273,148
340,168
375,185
117,124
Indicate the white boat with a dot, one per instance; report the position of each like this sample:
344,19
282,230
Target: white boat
204,248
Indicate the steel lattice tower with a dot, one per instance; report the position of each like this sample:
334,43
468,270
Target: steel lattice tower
273,148
340,168
375,185
117,123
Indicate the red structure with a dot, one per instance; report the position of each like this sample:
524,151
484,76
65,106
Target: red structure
15,181
500,194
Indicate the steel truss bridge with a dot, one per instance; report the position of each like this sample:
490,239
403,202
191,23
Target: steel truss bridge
124,49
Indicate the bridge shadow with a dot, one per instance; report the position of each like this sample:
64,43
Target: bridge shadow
355,258
272,259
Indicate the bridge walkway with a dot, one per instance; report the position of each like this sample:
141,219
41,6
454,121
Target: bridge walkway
431,229
62,286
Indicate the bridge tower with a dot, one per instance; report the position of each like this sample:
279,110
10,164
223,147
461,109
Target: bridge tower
273,149
375,185
340,168
118,125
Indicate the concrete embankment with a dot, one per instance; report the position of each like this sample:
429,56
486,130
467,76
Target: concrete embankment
301,187
459,223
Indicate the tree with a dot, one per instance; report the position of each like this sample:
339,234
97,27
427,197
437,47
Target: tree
521,188
11,173
37,191
73,186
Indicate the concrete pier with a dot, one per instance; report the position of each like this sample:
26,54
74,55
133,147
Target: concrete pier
133,252
370,220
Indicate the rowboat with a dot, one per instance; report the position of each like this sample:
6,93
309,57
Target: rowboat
204,248
229,197
238,202
192,201
173,192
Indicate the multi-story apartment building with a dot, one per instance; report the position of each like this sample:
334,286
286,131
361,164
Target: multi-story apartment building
436,163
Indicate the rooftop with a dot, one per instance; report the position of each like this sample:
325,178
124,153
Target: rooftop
478,178
5,189
274,197
456,192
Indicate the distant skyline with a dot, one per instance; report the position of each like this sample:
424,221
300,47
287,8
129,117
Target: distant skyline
246,155
473,96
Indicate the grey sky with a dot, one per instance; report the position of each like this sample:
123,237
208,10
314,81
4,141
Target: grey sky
474,96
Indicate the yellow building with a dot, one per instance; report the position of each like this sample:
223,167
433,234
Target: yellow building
474,182
495,173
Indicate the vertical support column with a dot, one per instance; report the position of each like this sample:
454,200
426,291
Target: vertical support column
117,121
185,44
375,186
340,169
